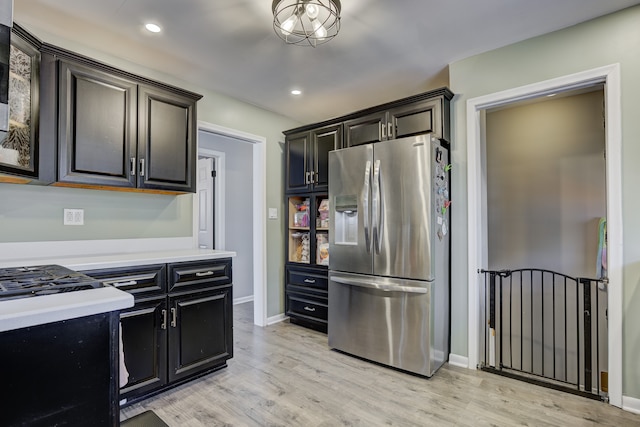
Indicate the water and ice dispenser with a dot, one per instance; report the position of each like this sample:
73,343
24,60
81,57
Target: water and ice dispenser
346,220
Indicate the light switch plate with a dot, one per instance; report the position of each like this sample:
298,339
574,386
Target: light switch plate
273,213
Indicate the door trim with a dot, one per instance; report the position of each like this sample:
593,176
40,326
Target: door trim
219,190
476,202
259,213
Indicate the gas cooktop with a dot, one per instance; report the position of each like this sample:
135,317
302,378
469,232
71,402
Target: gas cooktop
22,282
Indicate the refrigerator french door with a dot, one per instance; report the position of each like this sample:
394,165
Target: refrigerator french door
389,246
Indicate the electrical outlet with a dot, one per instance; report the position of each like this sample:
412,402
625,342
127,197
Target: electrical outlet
73,217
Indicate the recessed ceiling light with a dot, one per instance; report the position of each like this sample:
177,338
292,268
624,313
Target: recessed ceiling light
551,94
154,28
296,92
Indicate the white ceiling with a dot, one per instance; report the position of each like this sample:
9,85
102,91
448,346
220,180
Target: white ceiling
385,49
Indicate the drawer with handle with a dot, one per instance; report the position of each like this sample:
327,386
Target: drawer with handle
299,306
308,278
139,281
199,274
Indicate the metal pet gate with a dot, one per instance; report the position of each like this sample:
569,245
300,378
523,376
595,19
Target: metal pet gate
546,328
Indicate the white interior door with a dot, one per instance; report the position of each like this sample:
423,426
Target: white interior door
205,202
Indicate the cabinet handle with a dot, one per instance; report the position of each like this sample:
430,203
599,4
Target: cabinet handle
164,320
173,317
133,165
141,167
309,280
204,273
384,130
309,308
390,130
314,175
129,283
306,178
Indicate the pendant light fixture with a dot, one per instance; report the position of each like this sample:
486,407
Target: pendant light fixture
306,22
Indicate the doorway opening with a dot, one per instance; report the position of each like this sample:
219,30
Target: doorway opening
239,160
480,205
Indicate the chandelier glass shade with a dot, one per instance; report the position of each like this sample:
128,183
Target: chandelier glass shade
306,22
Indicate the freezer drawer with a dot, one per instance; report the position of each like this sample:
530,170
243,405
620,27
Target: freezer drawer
385,322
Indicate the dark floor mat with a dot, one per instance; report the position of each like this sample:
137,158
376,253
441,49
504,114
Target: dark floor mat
145,419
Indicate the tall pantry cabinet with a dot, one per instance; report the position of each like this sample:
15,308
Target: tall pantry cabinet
307,216
307,188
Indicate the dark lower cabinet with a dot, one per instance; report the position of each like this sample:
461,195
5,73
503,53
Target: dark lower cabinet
180,327
61,373
144,340
306,293
200,337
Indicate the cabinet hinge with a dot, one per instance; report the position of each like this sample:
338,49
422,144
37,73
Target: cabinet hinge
213,174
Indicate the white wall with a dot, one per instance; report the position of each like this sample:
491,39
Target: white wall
546,184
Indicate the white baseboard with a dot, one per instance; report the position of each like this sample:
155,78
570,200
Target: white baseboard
631,404
242,300
457,360
276,319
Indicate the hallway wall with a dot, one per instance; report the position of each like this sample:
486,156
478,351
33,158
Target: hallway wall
546,184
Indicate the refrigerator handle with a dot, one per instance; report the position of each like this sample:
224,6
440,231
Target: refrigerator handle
365,205
375,206
381,286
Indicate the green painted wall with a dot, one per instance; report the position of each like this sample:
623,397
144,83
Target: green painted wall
611,39
33,213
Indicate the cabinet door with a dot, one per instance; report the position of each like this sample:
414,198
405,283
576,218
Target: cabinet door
97,123
365,130
308,229
200,336
297,163
166,140
416,119
19,153
323,141
144,341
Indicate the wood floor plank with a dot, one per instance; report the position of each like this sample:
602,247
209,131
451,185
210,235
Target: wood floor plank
286,375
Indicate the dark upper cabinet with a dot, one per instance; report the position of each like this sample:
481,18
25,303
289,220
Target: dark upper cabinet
307,158
166,140
19,147
322,142
297,148
365,129
114,129
414,118
96,127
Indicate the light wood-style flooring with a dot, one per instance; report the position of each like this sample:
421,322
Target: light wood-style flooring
285,375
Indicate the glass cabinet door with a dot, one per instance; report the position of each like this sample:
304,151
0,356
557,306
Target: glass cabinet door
308,229
18,147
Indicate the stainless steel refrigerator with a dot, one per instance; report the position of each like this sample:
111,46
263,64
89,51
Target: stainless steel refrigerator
389,253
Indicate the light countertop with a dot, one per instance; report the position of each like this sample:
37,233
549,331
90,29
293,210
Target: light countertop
32,311
25,312
94,262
